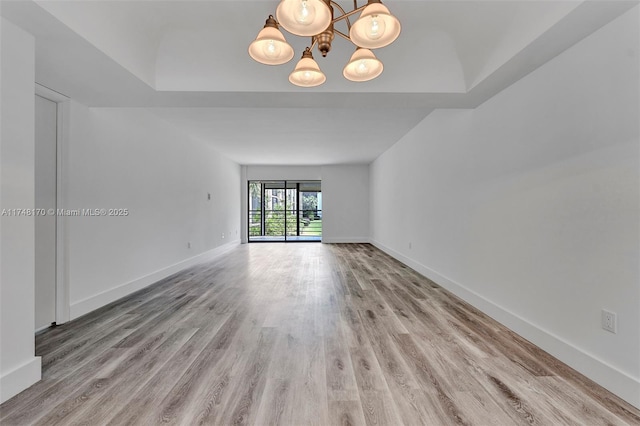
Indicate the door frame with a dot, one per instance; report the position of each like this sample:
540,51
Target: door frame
62,138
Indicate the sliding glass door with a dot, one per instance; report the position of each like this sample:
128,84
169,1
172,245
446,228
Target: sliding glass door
285,211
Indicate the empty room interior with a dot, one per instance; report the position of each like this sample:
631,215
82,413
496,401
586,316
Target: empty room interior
321,212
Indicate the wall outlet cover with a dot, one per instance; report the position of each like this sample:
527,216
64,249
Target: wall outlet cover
609,321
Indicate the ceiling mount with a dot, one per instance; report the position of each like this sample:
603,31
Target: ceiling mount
376,27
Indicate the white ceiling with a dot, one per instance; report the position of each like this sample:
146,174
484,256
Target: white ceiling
187,61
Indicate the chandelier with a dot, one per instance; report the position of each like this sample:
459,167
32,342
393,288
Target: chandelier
376,27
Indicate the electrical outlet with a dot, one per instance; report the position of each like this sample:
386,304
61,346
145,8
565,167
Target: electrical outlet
189,244
609,321
208,196
223,235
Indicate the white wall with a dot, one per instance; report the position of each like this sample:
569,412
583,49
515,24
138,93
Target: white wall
133,45
19,368
345,204
284,173
345,197
126,158
528,206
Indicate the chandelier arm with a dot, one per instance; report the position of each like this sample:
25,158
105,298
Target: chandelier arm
347,14
341,34
314,41
343,16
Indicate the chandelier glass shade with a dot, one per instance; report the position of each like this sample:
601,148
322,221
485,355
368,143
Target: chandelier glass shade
304,18
376,27
307,72
363,66
270,47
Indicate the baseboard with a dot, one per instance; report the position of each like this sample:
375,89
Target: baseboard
20,378
43,328
345,240
92,303
609,377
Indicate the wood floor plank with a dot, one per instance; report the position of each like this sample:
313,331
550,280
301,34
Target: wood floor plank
171,409
276,407
244,402
76,403
308,334
483,411
375,397
101,409
346,413
410,399
143,406
340,377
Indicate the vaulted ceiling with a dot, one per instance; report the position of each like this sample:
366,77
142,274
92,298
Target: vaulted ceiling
187,61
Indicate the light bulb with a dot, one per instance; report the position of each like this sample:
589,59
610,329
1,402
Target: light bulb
271,49
304,13
306,77
375,27
362,69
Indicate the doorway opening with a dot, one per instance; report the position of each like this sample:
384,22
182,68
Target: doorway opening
46,147
51,295
283,210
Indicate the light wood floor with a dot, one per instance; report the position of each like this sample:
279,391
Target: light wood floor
301,334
